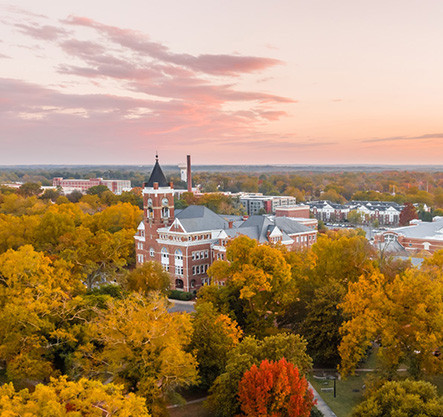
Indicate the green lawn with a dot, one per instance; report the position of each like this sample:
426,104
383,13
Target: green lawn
349,393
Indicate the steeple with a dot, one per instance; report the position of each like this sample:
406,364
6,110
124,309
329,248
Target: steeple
156,176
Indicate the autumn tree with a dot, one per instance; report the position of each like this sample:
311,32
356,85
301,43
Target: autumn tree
223,398
407,214
39,313
404,314
97,256
275,389
71,399
146,278
136,342
401,398
213,338
258,284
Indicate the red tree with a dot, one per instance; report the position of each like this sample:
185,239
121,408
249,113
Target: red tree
407,214
275,389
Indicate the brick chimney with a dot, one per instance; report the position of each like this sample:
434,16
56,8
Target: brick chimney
230,224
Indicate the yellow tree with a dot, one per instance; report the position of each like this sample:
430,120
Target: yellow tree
37,312
405,315
143,347
258,284
96,256
213,338
63,398
146,278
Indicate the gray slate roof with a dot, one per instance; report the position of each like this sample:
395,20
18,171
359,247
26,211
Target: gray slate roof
157,176
200,218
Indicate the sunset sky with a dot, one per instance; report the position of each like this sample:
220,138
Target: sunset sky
230,82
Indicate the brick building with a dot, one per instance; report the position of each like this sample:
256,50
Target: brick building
186,242
82,185
419,236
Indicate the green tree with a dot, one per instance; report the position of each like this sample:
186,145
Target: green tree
401,398
29,189
213,338
354,217
321,327
97,190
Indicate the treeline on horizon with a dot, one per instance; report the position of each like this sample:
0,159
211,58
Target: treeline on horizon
83,328
422,187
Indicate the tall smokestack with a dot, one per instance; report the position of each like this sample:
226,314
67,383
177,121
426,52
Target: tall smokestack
188,173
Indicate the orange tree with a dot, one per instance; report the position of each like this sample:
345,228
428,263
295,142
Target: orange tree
275,389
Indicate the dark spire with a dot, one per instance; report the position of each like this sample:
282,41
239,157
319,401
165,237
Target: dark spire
157,176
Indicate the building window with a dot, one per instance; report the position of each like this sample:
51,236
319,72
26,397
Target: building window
165,256
151,252
140,259
193,270
192,283
179,283
179,270
178,255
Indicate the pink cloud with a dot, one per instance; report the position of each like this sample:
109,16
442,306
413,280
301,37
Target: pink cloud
215,64
45,32
183,101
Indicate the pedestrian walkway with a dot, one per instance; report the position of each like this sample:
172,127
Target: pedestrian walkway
321,405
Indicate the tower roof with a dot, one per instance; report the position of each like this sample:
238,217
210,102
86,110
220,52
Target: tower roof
157,176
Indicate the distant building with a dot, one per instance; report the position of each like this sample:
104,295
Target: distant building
186,242
70,185
385,212
419,236
260,204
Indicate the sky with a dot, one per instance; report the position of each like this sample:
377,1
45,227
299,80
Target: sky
229,82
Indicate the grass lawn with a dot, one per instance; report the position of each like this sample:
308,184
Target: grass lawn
189,410
349,393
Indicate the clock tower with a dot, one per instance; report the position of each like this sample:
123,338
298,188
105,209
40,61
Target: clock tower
158,213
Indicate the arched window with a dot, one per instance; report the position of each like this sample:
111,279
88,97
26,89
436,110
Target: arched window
179,283
192,283
178,255
165,212
165,256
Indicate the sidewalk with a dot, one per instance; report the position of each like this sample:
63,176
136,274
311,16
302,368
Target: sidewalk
321,405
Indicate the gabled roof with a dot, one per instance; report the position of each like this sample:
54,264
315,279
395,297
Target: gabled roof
157,176
200,218
261,225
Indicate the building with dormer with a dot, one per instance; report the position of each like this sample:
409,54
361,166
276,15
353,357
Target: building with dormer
186,242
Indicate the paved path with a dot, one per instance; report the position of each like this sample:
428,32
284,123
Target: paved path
179,306
199,400
321,405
